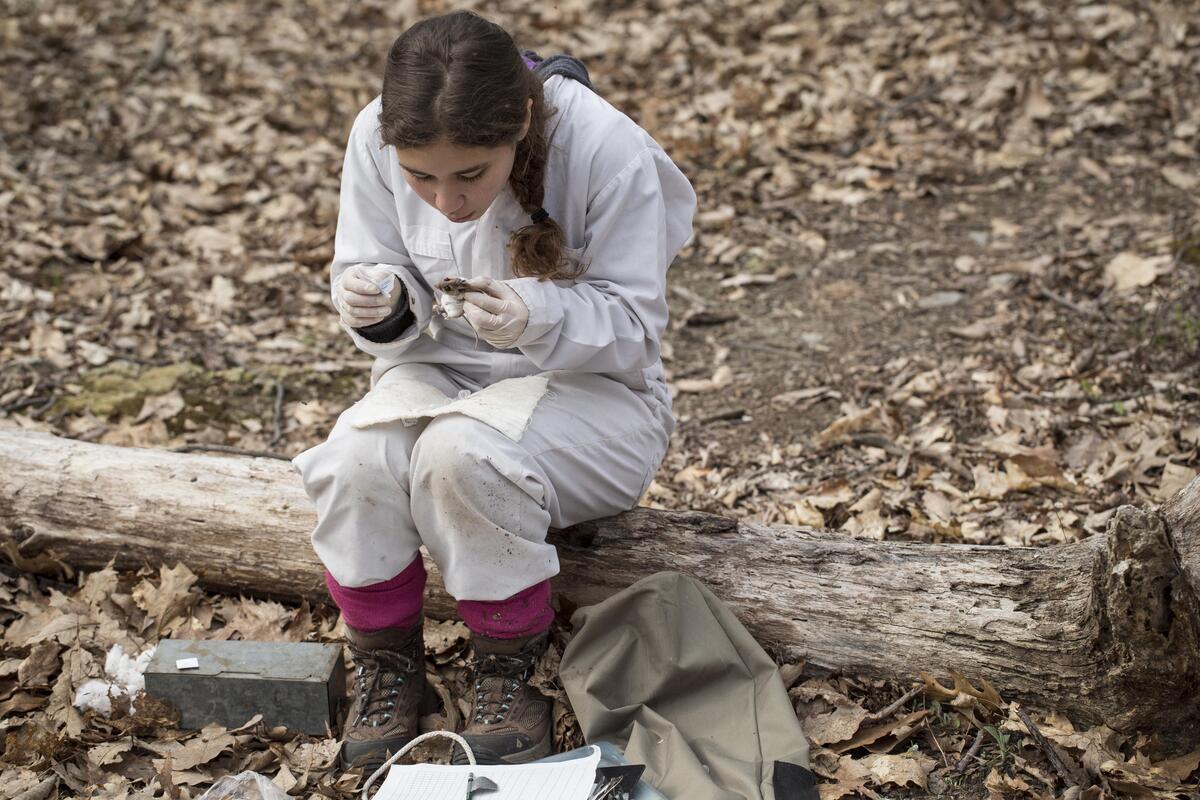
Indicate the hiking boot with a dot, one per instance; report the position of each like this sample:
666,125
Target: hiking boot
389,685
510,721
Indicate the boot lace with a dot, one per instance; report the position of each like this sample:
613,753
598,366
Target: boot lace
498,678
378,676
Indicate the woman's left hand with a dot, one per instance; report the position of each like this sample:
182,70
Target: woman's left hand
495,311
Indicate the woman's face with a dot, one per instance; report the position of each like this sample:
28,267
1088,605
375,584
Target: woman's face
461,182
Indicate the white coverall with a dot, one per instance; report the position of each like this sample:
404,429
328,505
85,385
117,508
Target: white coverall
479,500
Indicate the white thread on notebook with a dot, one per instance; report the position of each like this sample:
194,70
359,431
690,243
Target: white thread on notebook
563,780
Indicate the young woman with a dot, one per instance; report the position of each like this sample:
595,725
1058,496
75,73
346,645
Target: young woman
479,163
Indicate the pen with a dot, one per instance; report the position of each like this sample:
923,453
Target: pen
481,783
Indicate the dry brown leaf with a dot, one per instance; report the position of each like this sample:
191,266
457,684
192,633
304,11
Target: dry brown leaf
1188,180
27,784
1180,768
826,714
444,636
1129,271
1175,477
900,770
851,777
866,517
258,620
964,697
55,625
169,600
21,702
812,395
1002,786
99,587
318,755
201,749
162,407
802,513
722,377
896,731
209,241
835,726
108,752
40,665
875,419
49,343
829,494
221,293
284,779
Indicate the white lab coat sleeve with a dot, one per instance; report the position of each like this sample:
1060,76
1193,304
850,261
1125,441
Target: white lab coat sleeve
368,233
612,318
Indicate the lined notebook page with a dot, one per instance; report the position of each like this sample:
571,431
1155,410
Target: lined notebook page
566,780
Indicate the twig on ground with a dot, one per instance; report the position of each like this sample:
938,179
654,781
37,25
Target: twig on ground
766,348
1071,304
24,402
961,766
44,407
877,440
721,416
937,743
278,415
159,53
929,89
946,460
224,448
894,707
1068,773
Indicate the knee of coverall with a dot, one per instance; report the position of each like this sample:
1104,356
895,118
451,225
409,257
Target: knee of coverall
365,461
450,454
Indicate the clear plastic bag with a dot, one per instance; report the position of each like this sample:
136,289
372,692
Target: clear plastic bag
244,786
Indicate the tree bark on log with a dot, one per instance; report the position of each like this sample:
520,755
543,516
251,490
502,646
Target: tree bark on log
1106,629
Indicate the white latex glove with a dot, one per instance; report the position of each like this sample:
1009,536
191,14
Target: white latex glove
496,312
366,295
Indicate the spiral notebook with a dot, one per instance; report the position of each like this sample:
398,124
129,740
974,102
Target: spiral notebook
564,780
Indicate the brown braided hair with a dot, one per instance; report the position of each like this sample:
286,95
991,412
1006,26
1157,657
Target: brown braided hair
460,77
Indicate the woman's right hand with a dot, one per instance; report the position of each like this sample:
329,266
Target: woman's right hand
359,298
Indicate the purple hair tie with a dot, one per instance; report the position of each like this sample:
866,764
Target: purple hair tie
539,215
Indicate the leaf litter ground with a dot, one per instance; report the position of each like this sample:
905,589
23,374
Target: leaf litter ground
945,287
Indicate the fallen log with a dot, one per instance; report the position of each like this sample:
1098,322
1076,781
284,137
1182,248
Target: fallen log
1106,629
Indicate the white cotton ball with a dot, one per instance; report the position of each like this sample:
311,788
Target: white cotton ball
123,669
128,671
95,695
128,680
114,658
143,660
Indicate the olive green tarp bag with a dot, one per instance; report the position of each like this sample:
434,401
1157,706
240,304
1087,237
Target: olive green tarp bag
666,671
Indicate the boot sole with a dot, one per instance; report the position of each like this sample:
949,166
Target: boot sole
369,764
542,749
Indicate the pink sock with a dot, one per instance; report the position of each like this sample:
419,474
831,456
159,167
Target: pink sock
525,613
394,603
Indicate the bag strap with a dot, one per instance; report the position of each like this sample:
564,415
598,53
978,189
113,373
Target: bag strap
567,66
